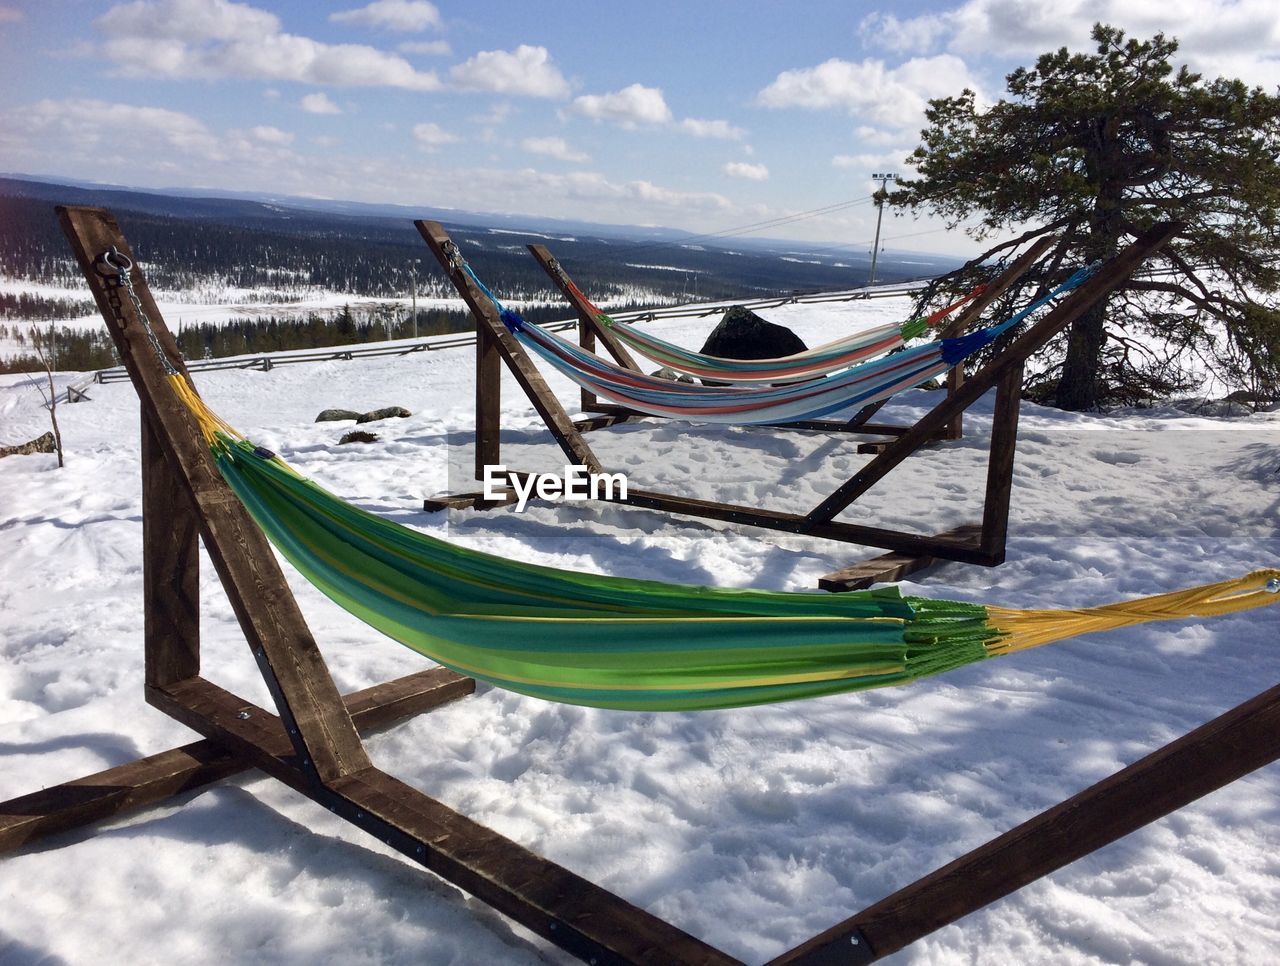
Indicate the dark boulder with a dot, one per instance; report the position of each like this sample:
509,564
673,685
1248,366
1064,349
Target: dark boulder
742,334
398,412
336,415
358,436
41,444
668,373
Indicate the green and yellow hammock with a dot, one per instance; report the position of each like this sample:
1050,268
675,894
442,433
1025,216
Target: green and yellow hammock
613,642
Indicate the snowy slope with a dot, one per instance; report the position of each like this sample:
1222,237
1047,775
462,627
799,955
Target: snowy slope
753,829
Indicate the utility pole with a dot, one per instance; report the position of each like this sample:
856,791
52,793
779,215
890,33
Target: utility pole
413,282
884,179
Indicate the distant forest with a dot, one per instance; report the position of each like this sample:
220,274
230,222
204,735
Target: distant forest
375,258
202,247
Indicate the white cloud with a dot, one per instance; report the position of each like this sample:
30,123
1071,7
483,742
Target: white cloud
319,103
403,15
271,135
210,39
189,21
871,160
913,35
427,48
138,126
526,71
639,106
497,114
632,106
711,129
153,147
877,137
894,97
595,187
432,136
554,147
104,141
741,169
11,15
1234,38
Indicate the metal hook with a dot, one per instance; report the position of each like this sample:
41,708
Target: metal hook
116,261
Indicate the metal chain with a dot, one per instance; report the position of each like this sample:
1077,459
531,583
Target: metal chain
454,254
553,263
117,262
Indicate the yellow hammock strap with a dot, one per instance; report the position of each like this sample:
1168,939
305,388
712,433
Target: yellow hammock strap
210,423
1031,628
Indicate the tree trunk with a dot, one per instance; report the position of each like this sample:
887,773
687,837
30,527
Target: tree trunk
1079,387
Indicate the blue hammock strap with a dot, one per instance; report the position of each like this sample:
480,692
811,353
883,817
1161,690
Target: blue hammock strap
956,350
510,319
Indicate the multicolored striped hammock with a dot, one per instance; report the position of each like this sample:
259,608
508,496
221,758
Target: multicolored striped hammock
613,642
818,361
860,384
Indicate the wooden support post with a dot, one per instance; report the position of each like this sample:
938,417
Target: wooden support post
589,326
1076,304
170,569
324,736
892,567
1214,755
1003,448
148,781
526,373
312,744
488,401
587,339
820,522
968,316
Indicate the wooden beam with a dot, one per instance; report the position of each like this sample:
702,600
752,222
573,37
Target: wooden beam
526,373
943,546
967,317
488,401
1229,747
1001,452
269,616
970,314
170,568
157,778
570,911
951,545
891,567
591,327
1030,341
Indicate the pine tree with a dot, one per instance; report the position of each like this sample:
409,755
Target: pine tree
1098,147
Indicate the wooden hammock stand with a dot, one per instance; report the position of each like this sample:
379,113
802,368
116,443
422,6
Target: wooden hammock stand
589,329
982,543
312,743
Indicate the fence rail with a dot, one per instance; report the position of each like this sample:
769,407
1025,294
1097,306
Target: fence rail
267,361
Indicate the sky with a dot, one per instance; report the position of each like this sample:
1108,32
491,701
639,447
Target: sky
716,117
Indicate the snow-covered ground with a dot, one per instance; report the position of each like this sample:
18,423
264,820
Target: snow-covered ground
752,829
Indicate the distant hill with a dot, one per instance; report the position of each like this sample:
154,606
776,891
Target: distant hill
195,239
